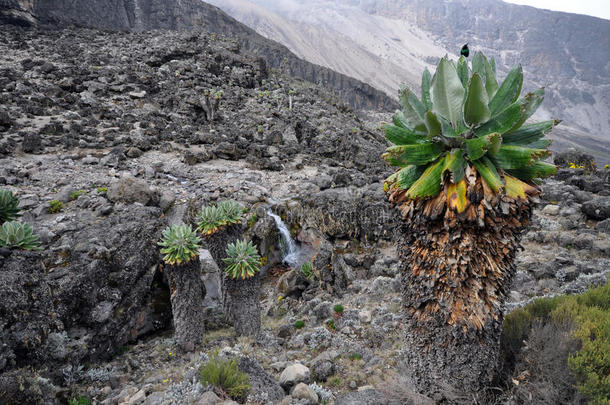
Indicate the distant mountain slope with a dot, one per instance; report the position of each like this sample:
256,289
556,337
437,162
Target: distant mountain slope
395,39
138,15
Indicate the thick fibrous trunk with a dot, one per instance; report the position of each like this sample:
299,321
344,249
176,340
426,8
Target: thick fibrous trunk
457,271
217,243
240,298
187,294
242,303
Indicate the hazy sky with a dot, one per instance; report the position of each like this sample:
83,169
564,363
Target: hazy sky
597,8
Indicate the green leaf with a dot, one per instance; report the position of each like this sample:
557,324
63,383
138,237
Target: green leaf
454,162
475,107
429,183
406,176
426,78
446,128
412,108
536,170
540,144
488,171
402,136
508,92
515,157
491,84
433,124
448,93
478,64
529,133
529,104
492,62
502,122
418,155
478,147
462,70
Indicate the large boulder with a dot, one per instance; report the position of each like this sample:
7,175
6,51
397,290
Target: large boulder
598,209
85,296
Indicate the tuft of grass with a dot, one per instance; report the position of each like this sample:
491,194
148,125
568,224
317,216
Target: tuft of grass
299,324
75,194
102,190
307,270
338,309
81,400
225,376
55,206
355,356
331,325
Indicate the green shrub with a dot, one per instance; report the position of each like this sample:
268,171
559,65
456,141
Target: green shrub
242,260
9,206
225,375
180,244
55,206
589,317
338,309
355,356
75,194
307,270
210,220
81,400
299,324
102,190
15,235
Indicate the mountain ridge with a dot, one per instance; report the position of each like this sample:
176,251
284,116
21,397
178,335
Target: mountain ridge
577,88
139,15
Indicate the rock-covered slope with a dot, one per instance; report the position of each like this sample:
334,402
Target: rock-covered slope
139,15
391,41
116,127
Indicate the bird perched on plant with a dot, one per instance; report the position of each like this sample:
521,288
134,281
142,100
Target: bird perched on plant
465,51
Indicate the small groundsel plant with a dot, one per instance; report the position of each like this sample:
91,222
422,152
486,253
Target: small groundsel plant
9,206
232,211
210,220
15,235
242,260
299,324
307,270
180,244
338,309
225,376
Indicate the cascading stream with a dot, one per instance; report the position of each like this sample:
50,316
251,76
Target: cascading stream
288,247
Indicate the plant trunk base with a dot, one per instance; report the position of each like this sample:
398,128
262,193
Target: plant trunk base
242,304
187,293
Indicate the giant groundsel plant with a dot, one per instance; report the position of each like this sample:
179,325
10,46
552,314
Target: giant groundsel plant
466,119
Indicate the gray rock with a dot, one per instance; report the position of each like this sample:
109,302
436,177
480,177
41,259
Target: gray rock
323,365
598,208
130,190
32,143
208,398
260,381
369,397
603,226
294,374
304,391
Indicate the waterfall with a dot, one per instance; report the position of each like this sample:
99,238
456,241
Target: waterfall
288,247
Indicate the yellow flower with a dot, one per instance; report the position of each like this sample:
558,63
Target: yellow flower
280,298
166,380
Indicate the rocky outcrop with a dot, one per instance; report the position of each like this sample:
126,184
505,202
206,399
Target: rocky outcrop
87,296
141,15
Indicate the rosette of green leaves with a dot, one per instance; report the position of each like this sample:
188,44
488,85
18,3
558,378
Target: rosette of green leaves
242,260
210,219
180,244
9,206
232,211
465,117
15,235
